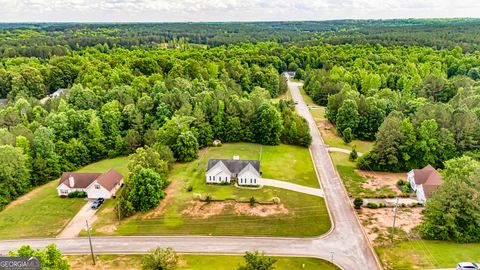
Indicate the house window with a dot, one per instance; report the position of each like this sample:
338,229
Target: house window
63,191
213,178
97,186
209,177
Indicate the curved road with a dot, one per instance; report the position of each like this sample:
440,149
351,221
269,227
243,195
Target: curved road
345,243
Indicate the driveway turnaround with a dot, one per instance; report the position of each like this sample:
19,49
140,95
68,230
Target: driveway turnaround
77,224
345,245
291,186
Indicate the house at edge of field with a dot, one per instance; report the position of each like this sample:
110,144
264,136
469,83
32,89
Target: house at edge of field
245,172
96,185
424,181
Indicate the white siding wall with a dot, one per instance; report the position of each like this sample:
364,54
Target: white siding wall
94,193
218,178
411,180
247,178
420,194
63,187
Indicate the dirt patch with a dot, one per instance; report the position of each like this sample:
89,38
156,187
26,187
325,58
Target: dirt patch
378,222
204,209
107,229
260,210
23,198
376,180
160,209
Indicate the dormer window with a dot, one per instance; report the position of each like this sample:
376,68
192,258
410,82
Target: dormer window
97,186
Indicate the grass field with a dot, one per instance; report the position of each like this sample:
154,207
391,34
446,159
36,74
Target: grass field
296,215
417,254
306,98
39,213
195,262
353,182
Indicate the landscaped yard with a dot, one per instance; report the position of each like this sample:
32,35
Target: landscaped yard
294,214
421,254
39,213
194,262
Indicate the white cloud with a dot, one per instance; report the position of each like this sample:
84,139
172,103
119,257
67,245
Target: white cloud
229,10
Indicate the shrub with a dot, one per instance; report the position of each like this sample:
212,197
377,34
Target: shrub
400,182
358,202
77,194
347,135
189,188
253,201
372,205
159,258
353,154
276,200
405,195
406,189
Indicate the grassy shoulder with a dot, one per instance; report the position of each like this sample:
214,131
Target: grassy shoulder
39,213
422,254
229,212
330,134
195,262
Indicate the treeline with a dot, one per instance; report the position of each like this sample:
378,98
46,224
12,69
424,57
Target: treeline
173,101
420,105
44,40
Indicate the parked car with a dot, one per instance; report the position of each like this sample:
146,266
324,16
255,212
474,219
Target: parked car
97,203
296,102
467,266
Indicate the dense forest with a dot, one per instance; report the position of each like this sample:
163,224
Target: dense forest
160,92
44,40
175,101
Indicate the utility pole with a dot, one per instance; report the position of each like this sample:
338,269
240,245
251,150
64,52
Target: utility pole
90,240
394,218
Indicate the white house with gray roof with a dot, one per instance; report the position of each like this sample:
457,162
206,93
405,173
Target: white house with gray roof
245,172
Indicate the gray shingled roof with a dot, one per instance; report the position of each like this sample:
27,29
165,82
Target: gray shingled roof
235,166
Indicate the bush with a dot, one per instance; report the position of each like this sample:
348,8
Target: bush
160,258
276,200
77,194
400,182
358,202
347,135
372,205
189,188
406,189
353,154
253,201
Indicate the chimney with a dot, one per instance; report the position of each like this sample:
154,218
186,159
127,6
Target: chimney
236,157
71,181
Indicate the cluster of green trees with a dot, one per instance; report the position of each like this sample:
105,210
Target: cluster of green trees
420,105
452,213
175,101
44,40
50,257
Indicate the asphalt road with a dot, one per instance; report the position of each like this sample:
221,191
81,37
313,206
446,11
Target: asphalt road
345,244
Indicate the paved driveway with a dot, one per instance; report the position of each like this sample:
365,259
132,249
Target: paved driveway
77,224
291,186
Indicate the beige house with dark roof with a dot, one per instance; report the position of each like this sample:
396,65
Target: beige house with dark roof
424,182
96,185
245,172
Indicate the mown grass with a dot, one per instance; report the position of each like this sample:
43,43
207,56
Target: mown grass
306,98
422,254
194,262
307,215
40,213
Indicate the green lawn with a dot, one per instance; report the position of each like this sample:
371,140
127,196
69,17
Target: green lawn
119,164
306,98
353,182
330,136
40,213
303,215
195,262
423,254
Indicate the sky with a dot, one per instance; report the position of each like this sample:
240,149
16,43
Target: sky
229,10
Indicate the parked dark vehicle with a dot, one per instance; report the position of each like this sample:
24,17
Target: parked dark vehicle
96,204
